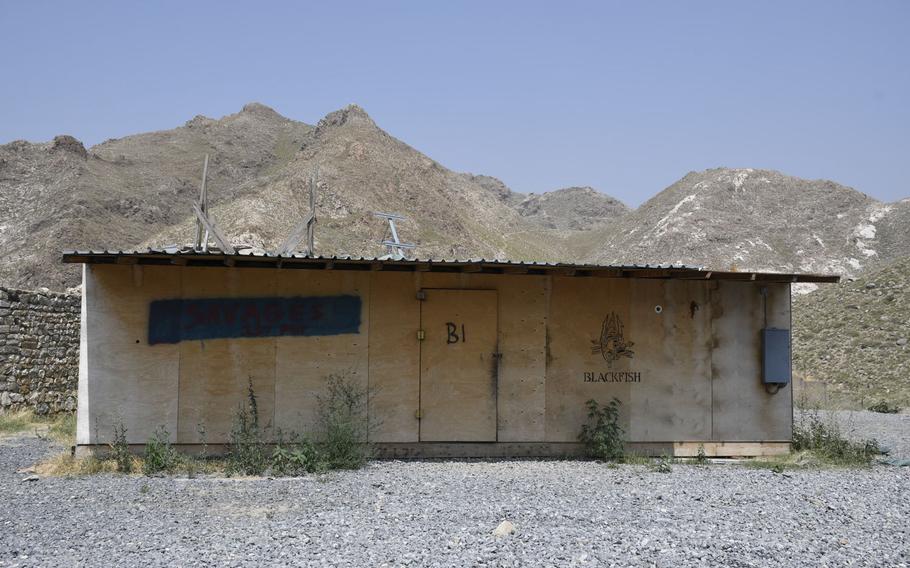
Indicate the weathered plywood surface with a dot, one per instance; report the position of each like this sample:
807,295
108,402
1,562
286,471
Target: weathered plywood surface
83,411
730,449
128,381
522,316
742,409
693,375
459,366
669,323
215,373
578,309
394,356
305,363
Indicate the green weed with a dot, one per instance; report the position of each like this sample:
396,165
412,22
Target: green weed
246,452
160,455
602,435
344,424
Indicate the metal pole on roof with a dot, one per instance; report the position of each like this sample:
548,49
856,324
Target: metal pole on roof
395,247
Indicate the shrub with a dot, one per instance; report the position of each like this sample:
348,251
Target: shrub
662,465
884,407
246,450
120,449
159,454
701,458
294,457
602,435
345,428
203,441
824,439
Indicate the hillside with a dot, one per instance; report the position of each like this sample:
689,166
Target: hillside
855,336
572,208
138,190
59,195
363,169
756,220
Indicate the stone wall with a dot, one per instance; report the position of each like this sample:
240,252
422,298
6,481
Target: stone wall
39,350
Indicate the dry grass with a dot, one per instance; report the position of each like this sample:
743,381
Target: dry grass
60,428
66,465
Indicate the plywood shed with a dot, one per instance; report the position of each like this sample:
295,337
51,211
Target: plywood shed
461,358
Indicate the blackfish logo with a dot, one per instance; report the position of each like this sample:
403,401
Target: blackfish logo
611,344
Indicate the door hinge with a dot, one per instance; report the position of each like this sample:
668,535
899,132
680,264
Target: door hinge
421,335
421,295
418,414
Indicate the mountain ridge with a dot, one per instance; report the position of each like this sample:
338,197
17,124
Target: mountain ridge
137,191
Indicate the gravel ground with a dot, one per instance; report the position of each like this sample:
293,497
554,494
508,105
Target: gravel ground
566,513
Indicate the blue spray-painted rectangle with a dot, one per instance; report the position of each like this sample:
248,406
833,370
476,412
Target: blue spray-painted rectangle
172,321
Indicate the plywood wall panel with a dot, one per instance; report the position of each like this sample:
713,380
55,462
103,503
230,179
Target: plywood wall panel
742,409
459,366
305,363
394,355
667,321
215,373
128,381
521,398
578,307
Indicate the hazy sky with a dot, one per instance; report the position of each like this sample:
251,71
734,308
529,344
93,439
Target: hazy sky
625,97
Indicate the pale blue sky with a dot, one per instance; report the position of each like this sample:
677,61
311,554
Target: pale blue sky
625,97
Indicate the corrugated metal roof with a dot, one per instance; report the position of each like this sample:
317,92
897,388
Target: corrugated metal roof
252,258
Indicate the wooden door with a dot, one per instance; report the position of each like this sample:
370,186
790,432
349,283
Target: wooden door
459,366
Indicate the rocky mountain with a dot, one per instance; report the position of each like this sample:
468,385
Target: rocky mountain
749,219
59,195
572,208
362,169
138,191
855,336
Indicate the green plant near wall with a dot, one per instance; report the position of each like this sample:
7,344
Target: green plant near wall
664,464
247,453
120,449
160,455
602,436
294,455
823,438
344,423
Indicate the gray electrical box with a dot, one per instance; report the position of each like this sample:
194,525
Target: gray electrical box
775,368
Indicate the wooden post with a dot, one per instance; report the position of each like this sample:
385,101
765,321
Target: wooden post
306,226
200,228
311,222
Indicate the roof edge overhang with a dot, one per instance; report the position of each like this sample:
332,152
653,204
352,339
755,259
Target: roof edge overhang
243,259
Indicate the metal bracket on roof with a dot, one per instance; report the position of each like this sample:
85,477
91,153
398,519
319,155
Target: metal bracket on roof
395,247
205,225
308,225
